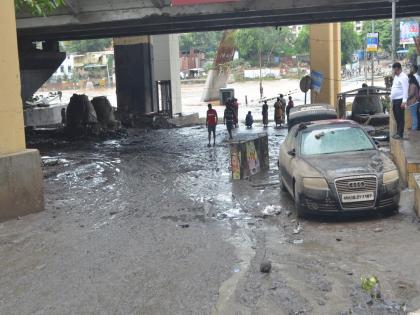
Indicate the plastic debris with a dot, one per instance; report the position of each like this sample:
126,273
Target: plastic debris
265,266
300,241
298,229
371,285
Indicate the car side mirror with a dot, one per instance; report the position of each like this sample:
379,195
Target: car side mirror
292,152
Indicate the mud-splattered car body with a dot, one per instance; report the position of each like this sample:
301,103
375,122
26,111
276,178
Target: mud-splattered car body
357,177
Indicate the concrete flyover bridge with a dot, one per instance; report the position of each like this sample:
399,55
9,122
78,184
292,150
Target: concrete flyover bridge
114,18
142,59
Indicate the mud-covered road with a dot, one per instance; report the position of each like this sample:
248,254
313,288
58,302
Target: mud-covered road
152,224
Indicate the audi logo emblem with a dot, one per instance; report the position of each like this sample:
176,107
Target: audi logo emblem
358,184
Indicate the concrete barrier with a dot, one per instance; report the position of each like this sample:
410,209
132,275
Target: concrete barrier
21,184
416,183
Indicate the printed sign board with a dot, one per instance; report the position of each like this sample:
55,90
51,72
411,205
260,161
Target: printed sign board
408,31
372,42
316,81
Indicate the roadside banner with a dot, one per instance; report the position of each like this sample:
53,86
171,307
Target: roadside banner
316,81
408,31
372,42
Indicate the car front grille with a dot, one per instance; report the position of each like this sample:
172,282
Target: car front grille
324,205
347,186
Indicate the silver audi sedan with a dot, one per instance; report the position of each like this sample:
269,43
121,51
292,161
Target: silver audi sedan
333,166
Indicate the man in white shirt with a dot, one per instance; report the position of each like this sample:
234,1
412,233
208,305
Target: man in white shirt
415,71
399,95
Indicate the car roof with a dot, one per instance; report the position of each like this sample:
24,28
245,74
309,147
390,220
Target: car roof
318,124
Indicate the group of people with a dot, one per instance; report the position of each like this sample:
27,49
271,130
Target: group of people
405,94
230,117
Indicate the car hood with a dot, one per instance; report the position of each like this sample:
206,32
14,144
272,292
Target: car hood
332,166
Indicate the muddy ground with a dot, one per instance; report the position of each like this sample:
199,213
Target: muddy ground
151,223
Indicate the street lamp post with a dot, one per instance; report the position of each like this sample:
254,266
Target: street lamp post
394,4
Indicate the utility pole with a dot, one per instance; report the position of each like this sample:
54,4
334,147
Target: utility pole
372,54
394,4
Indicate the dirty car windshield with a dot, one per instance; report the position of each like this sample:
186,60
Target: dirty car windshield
334,140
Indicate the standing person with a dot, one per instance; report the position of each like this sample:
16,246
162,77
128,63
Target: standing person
265,114
399,95
283,107
278,112
413,100
290,105
415,71
229,118
249,120
211,123
235,106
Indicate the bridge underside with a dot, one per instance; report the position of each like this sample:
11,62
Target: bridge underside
93,19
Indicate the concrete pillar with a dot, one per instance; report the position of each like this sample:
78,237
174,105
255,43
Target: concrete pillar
134,75
325,53
166,65
20,169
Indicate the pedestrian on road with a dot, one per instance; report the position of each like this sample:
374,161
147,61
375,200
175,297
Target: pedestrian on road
211,123
413,100
265,114
290,105
235,106
278,113
229,118
399,95
249,120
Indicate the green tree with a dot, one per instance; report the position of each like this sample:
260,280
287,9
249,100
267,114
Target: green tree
302,41
38,7
254,44
350,42
88,45
204,41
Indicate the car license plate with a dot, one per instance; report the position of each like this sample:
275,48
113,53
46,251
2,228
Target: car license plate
356,197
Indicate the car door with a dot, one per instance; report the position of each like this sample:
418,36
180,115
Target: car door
286,160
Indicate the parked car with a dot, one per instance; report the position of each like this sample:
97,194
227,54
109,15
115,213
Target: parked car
333,166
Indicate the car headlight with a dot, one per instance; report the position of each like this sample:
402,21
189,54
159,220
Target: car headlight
315,183
391,176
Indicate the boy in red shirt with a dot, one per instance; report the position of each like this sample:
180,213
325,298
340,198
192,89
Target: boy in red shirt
211,122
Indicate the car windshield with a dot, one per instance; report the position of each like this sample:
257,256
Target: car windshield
334,140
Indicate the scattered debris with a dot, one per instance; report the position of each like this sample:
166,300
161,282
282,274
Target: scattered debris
371,285
377,230
265,266
184,226
236,270
299,241
338,239
113,213
271,211
298,229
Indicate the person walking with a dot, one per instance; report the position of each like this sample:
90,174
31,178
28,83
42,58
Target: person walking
413,100
290,105
211,123
229,118
278,114
249,120
399,95
265,114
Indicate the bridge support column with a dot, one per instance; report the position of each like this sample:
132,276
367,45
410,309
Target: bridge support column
134,76
166,66
21,189
325,54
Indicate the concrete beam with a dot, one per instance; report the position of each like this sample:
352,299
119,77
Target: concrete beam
129,17
73,5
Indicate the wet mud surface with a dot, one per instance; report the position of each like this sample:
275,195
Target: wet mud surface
151,223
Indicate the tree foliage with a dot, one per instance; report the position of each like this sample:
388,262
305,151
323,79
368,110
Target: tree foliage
350,42
204,41
88,45
264,41
39,7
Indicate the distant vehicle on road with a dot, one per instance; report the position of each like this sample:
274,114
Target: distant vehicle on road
333,166
304,113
